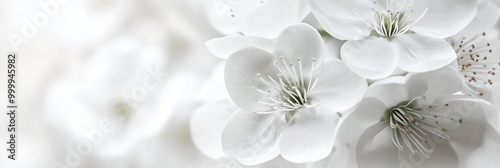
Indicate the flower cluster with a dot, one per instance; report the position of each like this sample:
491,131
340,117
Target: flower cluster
353,83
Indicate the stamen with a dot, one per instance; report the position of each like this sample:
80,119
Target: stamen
393,21
315,81
412,124
478,64
288,69
404,134
289,91
395,140
265,103
299,95
281,72
311,74
301,73
297,80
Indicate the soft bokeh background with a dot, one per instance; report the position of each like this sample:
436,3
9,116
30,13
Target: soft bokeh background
140,65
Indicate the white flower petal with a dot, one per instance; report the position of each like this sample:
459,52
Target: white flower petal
341,156
372,58
309,136
375,147
472,109
444,18
422,54
333,46
225,46
343,19
391,91
479,89
207,124
226,15
486,154
338,87
248,136
445,81
443,156
300,41
470,134
368,112
273,17
265,158
479,125
242,80
214,88
487,16
376,150
351,126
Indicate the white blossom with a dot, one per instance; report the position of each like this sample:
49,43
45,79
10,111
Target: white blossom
384,35
477,56
417,117
263,18
288,99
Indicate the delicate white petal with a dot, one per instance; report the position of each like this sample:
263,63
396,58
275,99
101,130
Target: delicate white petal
469,136
496,97
391,91
375,149
343,19
220,18
300,41
421,54
445,81
225,46
309,136
310,19
207,124
214,88
486,154
351,126
248,136
333,46
341,156
338,87
226,15
273,17
372,58
479,89
479,125
242,80
472,109
368,112
264,158
444,18
487,16
443,156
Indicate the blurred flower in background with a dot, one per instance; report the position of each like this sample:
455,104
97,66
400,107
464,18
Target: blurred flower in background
135,66
141,83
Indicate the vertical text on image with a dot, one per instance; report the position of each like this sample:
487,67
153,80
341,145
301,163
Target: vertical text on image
12,107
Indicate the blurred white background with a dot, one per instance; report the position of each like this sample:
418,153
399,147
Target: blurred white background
138,66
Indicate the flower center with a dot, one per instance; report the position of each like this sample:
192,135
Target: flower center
121,108
475,62
413,125
393,21
289,89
